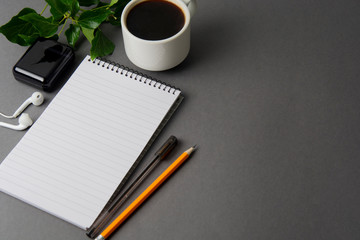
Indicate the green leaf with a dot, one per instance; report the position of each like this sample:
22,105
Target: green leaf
29,39
114,21
72,34
44,25
88,3
105,4
102,4
88,33
119,7
54,37
16,27
93,18
101,46
52,19
113,2
60,7
75,7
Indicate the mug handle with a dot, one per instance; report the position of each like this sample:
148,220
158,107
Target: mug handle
192,6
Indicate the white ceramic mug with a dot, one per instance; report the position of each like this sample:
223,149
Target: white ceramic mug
158,55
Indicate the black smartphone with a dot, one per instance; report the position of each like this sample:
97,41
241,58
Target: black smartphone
43,63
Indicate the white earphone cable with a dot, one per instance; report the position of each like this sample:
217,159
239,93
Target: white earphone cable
6,116
36,98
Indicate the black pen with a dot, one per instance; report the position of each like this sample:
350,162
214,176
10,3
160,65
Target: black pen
165,149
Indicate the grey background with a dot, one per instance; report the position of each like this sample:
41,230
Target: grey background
272,99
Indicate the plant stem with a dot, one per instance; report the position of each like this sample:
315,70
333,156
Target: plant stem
62,20
44,9
63,27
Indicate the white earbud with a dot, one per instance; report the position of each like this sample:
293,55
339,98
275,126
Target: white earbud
24,122
36,98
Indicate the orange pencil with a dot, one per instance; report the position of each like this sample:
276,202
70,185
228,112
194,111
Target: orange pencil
143,196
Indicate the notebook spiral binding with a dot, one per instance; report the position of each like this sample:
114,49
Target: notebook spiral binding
143,78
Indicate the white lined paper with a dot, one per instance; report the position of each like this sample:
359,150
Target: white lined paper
73,158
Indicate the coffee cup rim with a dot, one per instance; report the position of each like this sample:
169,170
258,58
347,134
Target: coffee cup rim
178,3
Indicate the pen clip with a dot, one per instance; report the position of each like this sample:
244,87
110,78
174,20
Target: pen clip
166,148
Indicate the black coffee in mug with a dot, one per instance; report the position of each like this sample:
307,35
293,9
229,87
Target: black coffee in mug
155,20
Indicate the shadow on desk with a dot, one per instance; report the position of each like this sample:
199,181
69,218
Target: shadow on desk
210,41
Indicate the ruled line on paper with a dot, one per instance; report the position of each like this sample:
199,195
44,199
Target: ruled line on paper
89,200
87,145
147,108
131,94
45,196
114,123
161,95
65,164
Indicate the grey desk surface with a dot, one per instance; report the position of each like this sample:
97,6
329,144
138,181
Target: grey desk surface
272,96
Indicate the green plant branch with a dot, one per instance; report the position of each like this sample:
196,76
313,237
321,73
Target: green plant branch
62,19
63,26
44,9
86,16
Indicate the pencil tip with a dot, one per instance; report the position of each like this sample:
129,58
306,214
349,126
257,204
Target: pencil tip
192,149
100,237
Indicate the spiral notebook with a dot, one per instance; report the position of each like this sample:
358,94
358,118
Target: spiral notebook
88,141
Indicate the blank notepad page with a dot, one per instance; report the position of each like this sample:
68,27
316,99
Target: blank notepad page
73,158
